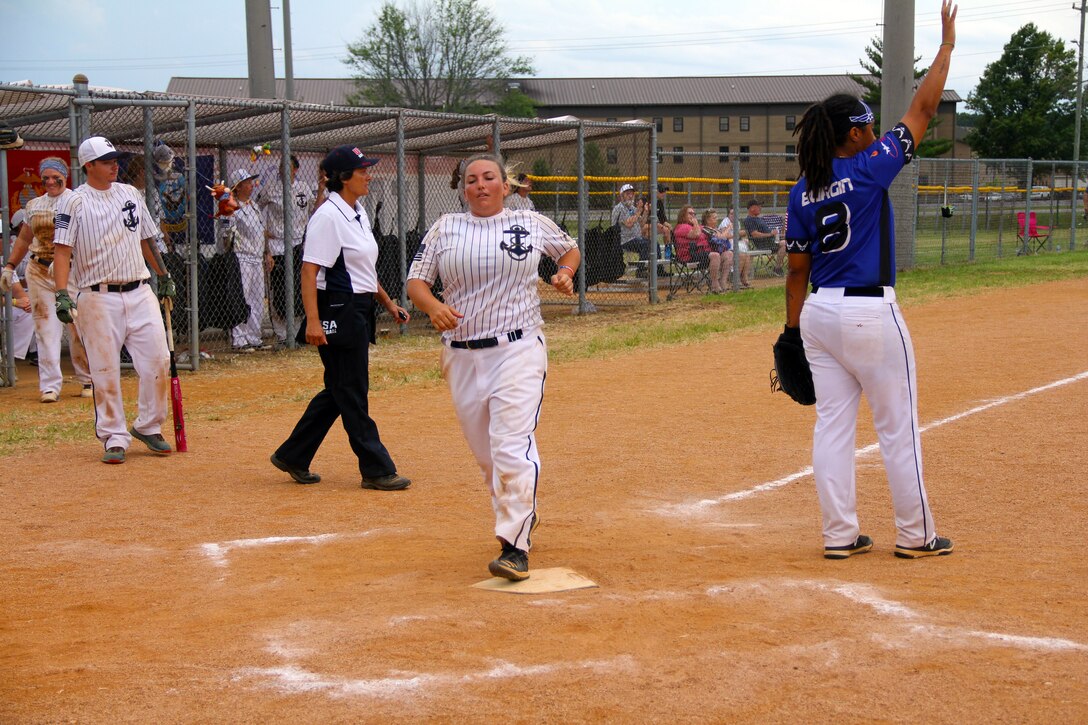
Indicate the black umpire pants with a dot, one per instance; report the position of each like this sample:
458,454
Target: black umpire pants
347,384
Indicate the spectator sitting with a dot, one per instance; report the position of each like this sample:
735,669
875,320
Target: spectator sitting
721,251
762,236
691,245
519,198
630,218
728,230
663,226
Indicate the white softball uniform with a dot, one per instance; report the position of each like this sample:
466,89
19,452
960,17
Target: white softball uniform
270,200
496,359
43,290
22,328
116,307
247,227
856,340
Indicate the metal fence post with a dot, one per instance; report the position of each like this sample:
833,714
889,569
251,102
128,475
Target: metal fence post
289,261
9,308
191,234
735,211
401,246
150,192
1001,215
1073,206
583,211
421,193
974,210
651,275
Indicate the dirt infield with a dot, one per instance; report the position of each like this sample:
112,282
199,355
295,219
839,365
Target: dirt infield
208,587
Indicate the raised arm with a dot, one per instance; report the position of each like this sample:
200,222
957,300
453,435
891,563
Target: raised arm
923,107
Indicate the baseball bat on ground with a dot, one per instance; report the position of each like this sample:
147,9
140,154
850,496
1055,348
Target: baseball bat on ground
175,384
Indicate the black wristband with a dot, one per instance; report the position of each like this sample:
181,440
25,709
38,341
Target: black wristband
794,332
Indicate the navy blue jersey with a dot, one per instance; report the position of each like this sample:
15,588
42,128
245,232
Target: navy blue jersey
848,228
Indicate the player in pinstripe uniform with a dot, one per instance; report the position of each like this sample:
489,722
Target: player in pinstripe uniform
840,234
245,229
37,238
495,358
104,234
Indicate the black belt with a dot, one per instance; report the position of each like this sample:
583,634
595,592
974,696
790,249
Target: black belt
127,287
485,342
39,260
858,291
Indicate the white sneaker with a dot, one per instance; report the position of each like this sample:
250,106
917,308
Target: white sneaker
50,397
87,392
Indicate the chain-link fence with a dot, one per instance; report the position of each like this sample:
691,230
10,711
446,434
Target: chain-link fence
237,275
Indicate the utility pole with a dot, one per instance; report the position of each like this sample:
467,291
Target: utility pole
896,91
262,68
1076,128
288,60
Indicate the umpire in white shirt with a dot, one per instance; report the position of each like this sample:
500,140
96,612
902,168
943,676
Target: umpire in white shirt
339,288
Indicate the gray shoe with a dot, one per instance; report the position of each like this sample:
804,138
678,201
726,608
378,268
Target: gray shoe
940,546
114,455
154,442
392,482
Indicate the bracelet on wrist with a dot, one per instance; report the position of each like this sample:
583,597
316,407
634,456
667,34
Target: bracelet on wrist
563,266
951,45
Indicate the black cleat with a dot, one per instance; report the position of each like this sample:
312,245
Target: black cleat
512,564
301,475
940,546
392,482
861,545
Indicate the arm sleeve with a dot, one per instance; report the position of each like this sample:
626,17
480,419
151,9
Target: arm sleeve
322,243
889,154
66,228
615,215
149,229
425,263
798,236
554,241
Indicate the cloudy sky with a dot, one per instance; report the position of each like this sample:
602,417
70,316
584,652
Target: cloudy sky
140,44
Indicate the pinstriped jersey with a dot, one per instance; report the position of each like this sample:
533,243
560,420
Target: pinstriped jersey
488,267
104,230
40,212
270,199
246,225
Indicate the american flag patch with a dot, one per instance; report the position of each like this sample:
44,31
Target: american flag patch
60,221
419,253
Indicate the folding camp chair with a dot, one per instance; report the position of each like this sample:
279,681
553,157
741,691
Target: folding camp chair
1036,237
690,275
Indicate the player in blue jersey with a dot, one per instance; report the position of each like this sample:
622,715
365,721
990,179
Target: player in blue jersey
840,236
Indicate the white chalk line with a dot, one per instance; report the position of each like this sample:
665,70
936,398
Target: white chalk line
688,509
294,679
217,551
868,596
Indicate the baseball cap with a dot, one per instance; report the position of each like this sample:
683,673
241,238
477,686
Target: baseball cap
626,187
97,148
662,188
239,175
19,217
346,158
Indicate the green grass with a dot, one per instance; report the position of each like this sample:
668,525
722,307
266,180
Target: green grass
412,360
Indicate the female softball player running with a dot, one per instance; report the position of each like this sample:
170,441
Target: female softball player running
495,358
840,233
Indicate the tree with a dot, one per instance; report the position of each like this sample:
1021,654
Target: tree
446,55
927,147
1026,100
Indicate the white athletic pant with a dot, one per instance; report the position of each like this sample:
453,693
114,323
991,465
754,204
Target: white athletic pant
109,320
249,331
49,330
22,333
497,393
855,345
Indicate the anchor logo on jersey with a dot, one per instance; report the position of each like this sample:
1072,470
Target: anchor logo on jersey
131,220
300,200
517,251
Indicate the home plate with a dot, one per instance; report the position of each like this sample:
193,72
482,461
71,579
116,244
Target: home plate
540,581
